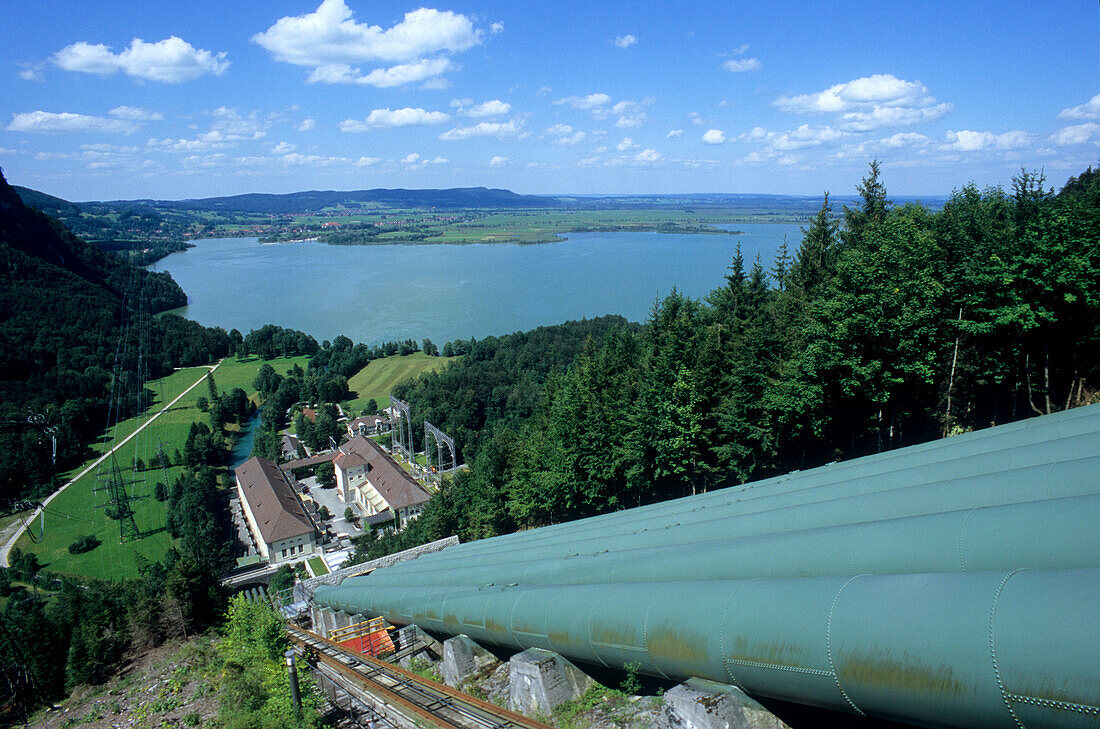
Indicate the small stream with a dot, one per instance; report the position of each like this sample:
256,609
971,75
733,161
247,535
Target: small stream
243,449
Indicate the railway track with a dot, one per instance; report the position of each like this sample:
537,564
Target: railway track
391,688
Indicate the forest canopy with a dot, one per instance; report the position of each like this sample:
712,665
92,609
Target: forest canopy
888,326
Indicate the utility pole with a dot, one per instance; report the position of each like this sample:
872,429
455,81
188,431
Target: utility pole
292,671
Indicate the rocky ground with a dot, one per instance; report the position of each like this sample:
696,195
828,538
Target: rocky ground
173,686
166,687
599,708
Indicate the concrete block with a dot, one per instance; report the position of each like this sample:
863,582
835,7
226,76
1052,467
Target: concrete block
699,704
328,622
540,680
343,620
463,658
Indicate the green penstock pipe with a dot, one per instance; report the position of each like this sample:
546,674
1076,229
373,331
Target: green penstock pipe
998,449
1058,426
1052,534
794,511
996,650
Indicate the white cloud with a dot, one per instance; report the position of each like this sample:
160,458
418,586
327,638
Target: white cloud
737,65
331,42
1075,134
574,138
564,135
31,71
697,119
227,129
802,137
389,118
46,122
585,103
402,73
134,113
230,125
872,102
971,141
647,155
411,159
439,83
496,28
626,145
184,145
1089,110
367,161
902,140
625,41
283,148
498,161
481,129
714,136
632,114
307,125
171,60
312,160
885,116
739,50
673,133
493,107
461,103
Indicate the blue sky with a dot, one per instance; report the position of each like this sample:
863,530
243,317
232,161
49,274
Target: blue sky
176,100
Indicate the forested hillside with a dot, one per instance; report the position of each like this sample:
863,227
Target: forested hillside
499,381
893,326
69,334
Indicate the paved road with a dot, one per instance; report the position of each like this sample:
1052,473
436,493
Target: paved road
12,533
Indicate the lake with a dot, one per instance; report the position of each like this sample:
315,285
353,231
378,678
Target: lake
445,292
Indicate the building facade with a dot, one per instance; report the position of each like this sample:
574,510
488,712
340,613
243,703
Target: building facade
367,476
276,517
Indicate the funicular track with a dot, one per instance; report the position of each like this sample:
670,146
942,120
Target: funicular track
417,699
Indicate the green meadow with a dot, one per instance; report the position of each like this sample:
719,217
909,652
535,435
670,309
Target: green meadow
79,509
380,376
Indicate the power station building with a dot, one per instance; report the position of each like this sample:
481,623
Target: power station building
367,476
279,523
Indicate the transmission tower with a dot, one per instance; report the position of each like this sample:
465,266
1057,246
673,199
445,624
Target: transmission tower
435,472
404,439
118,502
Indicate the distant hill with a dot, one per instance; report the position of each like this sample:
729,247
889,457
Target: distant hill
152,212
314,200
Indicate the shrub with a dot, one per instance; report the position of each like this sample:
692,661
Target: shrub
83,544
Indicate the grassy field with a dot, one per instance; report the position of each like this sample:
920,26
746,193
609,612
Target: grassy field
79,510
378,378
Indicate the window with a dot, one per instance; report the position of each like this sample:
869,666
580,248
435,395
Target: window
284,553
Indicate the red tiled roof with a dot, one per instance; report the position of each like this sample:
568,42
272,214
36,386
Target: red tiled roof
278,512
395,485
